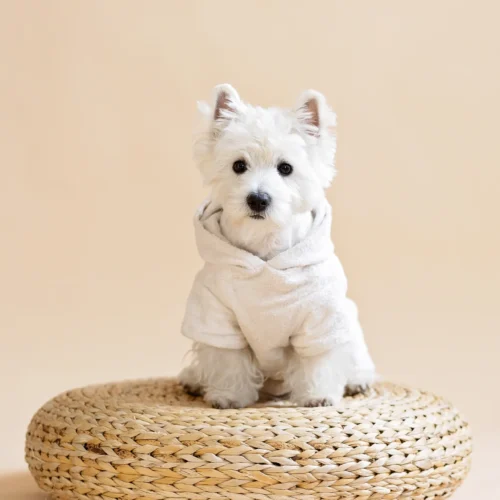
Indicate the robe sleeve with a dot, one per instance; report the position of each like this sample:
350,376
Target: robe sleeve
207,319
329,317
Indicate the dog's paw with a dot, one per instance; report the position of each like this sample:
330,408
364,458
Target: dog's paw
355,389
317,402
360,382
189,380
224,400
223,403
193,390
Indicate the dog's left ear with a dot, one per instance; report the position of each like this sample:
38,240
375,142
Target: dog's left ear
317,121
314,114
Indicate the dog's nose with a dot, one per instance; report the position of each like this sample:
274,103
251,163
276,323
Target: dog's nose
258,202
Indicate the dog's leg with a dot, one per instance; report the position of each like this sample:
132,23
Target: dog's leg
318,380
227,378
232,379
362,372
361,368
190,379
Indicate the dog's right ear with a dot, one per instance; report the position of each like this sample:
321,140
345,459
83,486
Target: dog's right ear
227,104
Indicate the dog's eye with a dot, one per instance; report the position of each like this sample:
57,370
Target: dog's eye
239,166
285,169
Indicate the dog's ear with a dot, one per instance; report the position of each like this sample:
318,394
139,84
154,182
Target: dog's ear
313,113
216,115
317,122
227,102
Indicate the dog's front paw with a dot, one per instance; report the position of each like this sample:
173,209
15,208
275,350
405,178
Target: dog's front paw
224,405
221,403
190,382
317,402
360,382
224,400
193,390
355,389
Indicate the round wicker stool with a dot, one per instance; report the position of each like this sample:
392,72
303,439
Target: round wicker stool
148,440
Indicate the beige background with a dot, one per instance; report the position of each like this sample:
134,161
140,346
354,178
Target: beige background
97,187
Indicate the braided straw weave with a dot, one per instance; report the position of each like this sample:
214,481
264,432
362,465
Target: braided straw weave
147,440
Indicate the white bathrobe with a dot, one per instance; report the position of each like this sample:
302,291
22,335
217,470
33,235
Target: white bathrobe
297,298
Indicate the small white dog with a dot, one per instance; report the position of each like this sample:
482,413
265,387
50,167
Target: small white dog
269,308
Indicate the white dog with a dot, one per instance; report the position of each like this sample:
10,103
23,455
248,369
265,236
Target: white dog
269,308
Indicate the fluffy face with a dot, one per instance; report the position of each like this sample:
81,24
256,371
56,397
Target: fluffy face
266,167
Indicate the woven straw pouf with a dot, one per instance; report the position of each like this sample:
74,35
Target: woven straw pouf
147,440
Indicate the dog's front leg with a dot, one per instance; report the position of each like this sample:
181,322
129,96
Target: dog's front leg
361,368
362,372
318,380
227,378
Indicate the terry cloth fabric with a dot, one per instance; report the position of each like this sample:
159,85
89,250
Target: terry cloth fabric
297,298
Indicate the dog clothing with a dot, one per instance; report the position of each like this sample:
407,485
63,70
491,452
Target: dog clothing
297,298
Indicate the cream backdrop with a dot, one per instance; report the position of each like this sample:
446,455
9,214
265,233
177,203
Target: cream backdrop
97,191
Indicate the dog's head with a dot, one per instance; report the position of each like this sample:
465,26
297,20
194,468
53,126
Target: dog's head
265,165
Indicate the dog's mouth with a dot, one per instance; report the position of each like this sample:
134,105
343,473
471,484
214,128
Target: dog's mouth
257,216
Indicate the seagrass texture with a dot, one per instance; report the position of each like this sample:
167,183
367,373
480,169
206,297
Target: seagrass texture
147,440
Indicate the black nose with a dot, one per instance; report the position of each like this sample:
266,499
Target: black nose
258,202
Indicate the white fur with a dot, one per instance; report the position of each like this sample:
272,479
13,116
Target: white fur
303,137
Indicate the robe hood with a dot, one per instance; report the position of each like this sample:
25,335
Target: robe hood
214,248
